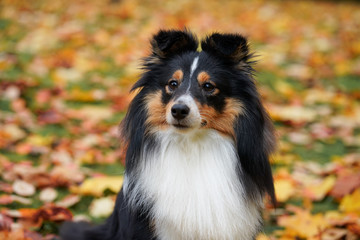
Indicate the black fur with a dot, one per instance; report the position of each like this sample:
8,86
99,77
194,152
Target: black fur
227,58
122,224
254,131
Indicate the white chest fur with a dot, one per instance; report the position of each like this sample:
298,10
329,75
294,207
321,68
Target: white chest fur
193,184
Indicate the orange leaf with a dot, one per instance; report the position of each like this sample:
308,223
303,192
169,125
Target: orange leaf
303,224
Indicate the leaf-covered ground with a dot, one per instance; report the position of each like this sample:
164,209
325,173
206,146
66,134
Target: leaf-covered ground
66,68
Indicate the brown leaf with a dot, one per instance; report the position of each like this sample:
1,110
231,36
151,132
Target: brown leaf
33,218
52,213
355,228
66,175
345,184
50,116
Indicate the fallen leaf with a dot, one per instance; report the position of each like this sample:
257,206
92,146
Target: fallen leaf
68,201
300,138
12,132
96,186
318,191
18,234
345,184
351,203
102,207
336,218
303,224
23,188
284,189
295,114
6,187
5,223
50,116
33,218
7,199
333,234
48,195
93,113
355,228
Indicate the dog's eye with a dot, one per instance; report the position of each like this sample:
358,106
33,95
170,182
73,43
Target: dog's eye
173,84
208,87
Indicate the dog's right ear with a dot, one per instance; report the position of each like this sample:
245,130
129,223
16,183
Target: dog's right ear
167,43
232,47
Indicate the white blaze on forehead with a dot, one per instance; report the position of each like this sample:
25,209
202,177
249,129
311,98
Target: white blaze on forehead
193,67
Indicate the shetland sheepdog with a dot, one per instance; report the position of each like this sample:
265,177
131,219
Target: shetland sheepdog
197,141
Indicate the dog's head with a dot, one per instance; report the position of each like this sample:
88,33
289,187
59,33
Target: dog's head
185,90
193,90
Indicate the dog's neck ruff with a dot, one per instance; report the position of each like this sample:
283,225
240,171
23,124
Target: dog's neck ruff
193,187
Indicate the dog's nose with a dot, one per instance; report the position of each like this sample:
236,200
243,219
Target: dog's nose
180,111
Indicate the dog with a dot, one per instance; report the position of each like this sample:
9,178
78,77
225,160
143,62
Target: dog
198,142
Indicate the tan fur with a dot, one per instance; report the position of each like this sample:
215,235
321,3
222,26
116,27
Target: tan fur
178,75
204,77
156,110
222,122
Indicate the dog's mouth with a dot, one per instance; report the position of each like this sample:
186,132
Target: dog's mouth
181,126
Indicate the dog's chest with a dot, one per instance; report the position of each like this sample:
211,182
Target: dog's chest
195,190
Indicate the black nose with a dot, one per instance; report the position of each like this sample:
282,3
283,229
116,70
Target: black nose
180,111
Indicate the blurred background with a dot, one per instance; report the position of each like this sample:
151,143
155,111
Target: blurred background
66,68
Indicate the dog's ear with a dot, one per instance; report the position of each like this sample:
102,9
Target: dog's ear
167,43
233,47
255,140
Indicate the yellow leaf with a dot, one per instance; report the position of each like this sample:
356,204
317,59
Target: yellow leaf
351,203
303,224
284,189
102,207
40,141
262,237
94,113
96,186
318,191
342,68
292,113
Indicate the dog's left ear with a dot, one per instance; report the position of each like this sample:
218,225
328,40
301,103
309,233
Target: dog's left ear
233,47
167,43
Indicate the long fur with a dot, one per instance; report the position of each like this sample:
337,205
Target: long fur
201,177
